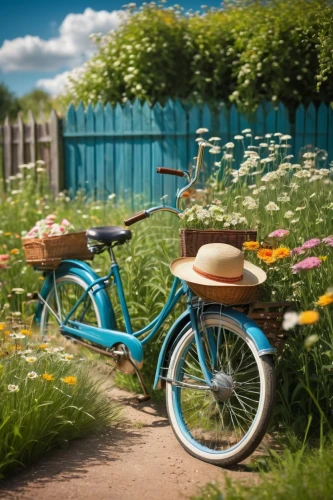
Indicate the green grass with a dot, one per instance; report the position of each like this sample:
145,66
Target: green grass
47,399
300,475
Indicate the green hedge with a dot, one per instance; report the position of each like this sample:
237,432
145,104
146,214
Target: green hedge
249,51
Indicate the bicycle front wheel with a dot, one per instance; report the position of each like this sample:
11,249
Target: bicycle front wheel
223,425
60,301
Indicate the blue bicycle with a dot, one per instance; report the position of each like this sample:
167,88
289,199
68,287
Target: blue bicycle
215,363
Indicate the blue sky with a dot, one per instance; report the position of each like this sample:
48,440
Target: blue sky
41,41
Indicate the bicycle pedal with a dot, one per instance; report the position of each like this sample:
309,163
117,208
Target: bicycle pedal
142,398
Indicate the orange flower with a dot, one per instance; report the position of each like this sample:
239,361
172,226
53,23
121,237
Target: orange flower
7,332
251,245
14,251
270,260
265,253
325,300
308,317
43,346
281,252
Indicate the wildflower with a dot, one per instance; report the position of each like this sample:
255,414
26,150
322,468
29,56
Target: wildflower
328,241
283,199
202,130
7,233
14,251
32,375
265,253
43,346
70,380
311,243
289,214
16,336
270,260
308,317
323,258
279,233
310,340
238,137
68,357
47,376
290,320
271,207
13,388
30,359
281,253
251,245
26,332
296,251
306,264
325,300
18,290
230,145
4,257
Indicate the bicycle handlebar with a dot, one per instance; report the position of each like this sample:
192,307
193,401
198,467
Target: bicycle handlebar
170,171
135,218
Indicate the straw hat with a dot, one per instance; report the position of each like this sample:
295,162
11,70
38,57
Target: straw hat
220,273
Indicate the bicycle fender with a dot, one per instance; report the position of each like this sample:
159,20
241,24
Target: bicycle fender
183,322
81,270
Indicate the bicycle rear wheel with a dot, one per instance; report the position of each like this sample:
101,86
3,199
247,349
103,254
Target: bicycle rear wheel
225,425
61,299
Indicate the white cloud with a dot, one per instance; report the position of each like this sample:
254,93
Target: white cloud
54,86
71,48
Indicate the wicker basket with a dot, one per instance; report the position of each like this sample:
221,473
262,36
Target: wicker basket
268,316
192,239
49,251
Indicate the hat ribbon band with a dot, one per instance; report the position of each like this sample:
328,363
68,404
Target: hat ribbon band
217,278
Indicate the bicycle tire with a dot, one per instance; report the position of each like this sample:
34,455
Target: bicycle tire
198,437
69,289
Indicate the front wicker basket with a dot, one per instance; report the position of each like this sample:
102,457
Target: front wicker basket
49,251
192,239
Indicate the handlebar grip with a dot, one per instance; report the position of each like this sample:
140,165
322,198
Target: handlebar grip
135,218
170,171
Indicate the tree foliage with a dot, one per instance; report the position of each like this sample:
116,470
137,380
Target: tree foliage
244,53
8,103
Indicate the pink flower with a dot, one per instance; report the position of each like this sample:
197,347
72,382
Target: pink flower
279,233
311,243
328,241
65,222
306,264
61,228
297,251
4,256
50,218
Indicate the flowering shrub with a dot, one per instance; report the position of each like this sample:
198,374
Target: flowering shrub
244,52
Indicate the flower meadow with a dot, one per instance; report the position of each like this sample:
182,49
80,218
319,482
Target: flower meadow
288,203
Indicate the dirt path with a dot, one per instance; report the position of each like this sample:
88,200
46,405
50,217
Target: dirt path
142,459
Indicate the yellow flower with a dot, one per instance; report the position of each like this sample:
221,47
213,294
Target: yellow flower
8,234
2,326
14,251
7,332
270,260
251,245
47,376
24,331
43,346
322,257
41,278
69,380
308,317
325,300
281,253
17,347
68,357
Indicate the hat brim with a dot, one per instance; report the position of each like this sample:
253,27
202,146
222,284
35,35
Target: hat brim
183,268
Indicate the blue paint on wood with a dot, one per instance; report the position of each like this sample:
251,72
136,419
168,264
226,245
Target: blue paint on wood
322,127
299,132
110,178
116,150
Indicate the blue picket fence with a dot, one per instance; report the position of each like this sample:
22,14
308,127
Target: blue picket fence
115,150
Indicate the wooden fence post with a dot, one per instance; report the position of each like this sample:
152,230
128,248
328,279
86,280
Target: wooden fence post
32,146
20,145
57,155
7,148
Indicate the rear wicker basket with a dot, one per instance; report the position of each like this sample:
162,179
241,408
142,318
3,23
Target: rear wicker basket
192,239
49,251
269,316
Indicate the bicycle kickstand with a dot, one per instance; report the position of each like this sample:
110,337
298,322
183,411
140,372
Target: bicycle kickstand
145,396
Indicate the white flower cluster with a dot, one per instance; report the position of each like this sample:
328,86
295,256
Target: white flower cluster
214,216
